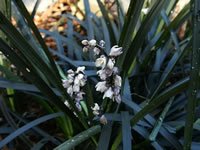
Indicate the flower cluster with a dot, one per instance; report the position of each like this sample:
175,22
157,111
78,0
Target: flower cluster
110,84
74,82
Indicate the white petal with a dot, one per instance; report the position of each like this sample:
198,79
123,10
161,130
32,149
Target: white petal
110,64
92,42
116,51
70,90
109,93
84,42
118,81
101,86
80,69
76,88
96,51
103,120
101,62
102,74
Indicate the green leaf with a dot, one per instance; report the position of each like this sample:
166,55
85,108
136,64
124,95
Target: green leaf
194,77
68,145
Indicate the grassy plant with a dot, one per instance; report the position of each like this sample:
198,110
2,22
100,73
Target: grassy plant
154,67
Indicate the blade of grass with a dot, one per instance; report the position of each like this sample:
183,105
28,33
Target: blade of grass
27,127
38,36
104,139
140,36
70,144
108,22
126,131
194,76
171,91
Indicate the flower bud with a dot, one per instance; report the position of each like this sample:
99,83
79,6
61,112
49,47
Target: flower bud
102,43
103,120
95,109
116,51
92,43
85,49
96,51
78,106
84,42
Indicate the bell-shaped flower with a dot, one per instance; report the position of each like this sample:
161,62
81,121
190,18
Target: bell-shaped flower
96,109
78,106
116,90
85,49
117,99
101,62
116,51
70,90
108,93
102,74
101,86
66,83
103,120
79,96
115,70
76,88
111,63
80,69
92,43
102,43
96,51
118,81
70,71
84,42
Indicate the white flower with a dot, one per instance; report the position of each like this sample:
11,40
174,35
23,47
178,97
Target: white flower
117,99
84,42
102,74
92,43
78,106
101,62
66,83
79,96
85,49
70,71
70,90
115,70
118,81
103,120
111,63
101,86
109,93
96,51
95,109
76,88
80,69
77,80
116,51
102,43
